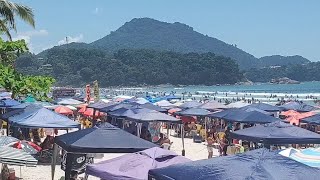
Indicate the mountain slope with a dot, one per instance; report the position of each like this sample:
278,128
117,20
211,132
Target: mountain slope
277,60
146,33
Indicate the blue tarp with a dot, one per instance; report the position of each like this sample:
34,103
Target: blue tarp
41,118
298,106
106,139
242,116
193,112
277,133
262,106
170,97
4,103
315,119
260,164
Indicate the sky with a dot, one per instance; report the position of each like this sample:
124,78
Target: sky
259,27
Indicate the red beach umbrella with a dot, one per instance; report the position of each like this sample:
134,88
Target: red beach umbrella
63,110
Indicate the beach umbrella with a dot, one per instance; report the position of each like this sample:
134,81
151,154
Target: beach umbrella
171,97
294,117
277,133
89,112
4,103
261,164
309,156
32,117
13,156
213,105
63,110
262,106
190,104
71,107
242,116
178,104
105,100
193,112
298,106
30,99
142,101
6,140
5,95
135,166
173,110
27,146
151,116
315,119
237,104
164,103
69,101
82,110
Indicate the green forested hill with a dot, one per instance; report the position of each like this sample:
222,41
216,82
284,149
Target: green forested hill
146,33
77,67
277,60
299,72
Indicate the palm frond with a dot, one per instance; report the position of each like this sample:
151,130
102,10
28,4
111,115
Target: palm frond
5,29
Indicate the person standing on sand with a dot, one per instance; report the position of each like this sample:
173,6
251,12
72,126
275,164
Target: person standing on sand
210,147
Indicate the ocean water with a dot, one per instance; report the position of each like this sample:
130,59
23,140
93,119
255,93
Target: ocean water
306,91
303,88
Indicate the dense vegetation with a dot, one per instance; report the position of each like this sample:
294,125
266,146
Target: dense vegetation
146,33
77,67
277,60
299,72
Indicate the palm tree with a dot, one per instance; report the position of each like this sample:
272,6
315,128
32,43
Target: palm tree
9,11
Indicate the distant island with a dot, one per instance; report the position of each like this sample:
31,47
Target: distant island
151,52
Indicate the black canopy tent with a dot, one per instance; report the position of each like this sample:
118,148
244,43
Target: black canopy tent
261,164
314,120
263,106
242,116
193,112
277,133
104,139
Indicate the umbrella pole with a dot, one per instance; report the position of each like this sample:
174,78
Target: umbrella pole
182,138
168,125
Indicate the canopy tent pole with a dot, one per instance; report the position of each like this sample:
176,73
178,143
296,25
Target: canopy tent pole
168,126
67,172
182,138
54,160
94,117
205,126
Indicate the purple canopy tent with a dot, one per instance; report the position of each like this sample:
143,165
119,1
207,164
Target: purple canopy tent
134,166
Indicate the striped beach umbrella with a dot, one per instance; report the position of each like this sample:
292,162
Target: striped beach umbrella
12,156
5,140
27,146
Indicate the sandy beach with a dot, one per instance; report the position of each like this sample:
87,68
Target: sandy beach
194,151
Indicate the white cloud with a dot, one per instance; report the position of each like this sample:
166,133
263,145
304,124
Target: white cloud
28,35
70,39
41,32
96,11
